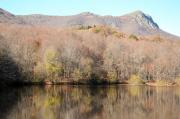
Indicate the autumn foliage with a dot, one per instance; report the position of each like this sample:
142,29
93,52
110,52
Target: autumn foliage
96,53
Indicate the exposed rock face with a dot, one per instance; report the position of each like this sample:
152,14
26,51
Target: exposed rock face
144,20
139,23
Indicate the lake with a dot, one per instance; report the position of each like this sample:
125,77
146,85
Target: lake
90,102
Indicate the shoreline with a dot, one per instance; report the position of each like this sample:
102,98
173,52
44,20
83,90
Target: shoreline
105,83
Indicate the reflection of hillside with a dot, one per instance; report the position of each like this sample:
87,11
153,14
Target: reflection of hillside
114,102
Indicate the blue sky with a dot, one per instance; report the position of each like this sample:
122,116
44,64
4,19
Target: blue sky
165,12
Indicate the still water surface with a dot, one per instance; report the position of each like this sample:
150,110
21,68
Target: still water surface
85,102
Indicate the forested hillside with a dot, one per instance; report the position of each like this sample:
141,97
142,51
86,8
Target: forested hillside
85,54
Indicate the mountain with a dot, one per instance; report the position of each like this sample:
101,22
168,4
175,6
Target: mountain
137,23
7,17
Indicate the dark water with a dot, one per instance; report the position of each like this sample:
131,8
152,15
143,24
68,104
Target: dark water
84,102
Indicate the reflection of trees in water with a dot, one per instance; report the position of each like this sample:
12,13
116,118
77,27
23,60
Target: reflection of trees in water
8,98
71,102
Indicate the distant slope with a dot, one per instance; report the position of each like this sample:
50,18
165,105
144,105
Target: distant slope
6,17
137,23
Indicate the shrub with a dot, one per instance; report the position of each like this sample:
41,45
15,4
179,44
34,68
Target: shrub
112,76
39,72
53,67
95,78
86,64
77,75
135,79
133,37
119,35
84,27
96,30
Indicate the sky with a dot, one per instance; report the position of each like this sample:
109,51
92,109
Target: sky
166,13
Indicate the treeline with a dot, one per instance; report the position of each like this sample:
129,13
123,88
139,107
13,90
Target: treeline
47,53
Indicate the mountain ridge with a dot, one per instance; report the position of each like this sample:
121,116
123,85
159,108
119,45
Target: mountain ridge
137,22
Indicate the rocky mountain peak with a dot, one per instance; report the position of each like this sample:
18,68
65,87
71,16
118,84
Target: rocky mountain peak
144,20
5,13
